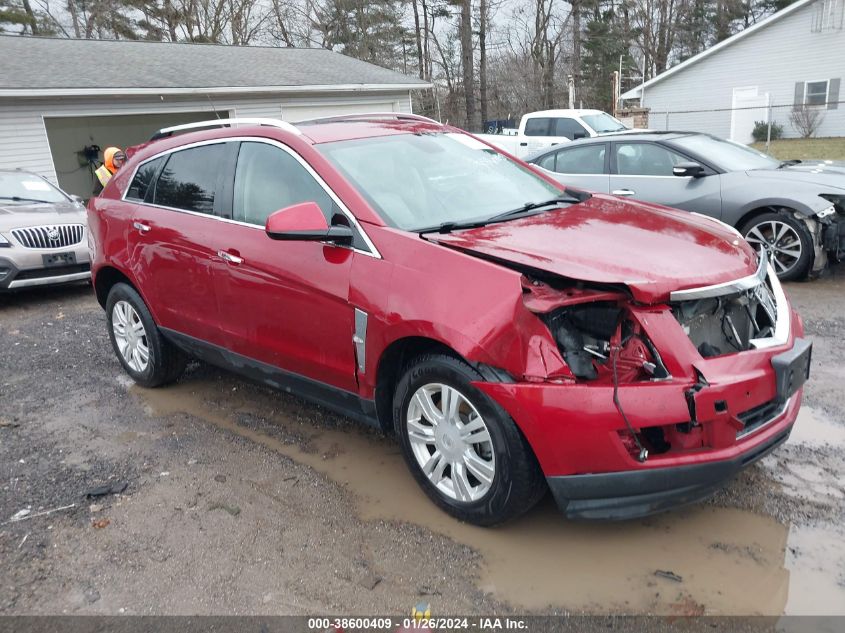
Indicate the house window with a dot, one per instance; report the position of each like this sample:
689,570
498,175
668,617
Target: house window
829,16
815,93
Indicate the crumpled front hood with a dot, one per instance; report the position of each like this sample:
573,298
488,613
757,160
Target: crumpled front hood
830,176
653,250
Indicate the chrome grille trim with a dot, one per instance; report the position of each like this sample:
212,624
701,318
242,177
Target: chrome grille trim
49,236
729,287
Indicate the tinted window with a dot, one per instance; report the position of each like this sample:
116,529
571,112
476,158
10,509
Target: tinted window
143,179
189,179
568,128
588,159
268,179
537,127
645,159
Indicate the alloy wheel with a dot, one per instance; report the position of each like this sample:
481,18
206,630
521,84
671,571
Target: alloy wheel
779,241
451,442
130,336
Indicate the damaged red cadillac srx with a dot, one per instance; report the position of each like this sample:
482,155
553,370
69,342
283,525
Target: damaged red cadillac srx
516,335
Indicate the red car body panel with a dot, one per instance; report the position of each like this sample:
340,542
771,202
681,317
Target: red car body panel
292,305
655,250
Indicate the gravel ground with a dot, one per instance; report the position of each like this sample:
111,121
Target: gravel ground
241,500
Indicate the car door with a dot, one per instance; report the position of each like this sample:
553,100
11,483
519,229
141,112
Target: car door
284,303
643,170
583,166
171,233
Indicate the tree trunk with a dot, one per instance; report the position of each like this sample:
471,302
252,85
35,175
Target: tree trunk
576,49
33,21
418,36
74,17
467,62
482,61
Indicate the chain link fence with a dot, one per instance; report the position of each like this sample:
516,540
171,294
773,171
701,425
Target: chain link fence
760,122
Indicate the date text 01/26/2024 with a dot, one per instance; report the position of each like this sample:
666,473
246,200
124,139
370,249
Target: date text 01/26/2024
397,625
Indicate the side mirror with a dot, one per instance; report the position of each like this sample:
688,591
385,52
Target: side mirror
688,169
305,222
577,135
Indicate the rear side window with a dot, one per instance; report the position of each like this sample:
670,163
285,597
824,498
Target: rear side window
587,159
537,127
268,179
189,179
143,179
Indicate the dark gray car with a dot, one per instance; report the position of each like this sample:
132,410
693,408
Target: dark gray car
792,209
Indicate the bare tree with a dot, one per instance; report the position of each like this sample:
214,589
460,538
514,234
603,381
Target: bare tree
468,65
483,10
806,120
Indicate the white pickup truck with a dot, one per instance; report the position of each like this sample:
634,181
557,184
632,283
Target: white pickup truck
538,130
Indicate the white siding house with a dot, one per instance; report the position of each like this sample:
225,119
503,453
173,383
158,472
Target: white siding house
58,96
795,57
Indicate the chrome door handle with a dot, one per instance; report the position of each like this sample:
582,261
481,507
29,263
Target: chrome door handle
228,257
143,228
623,192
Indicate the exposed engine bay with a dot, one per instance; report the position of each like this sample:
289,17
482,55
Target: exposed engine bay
726,324
597,341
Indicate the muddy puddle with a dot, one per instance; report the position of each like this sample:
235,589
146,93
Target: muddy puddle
730,561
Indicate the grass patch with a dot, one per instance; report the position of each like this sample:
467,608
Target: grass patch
805,148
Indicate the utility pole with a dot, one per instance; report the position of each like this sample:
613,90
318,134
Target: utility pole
570,86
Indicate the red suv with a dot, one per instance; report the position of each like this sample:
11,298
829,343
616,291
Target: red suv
517,335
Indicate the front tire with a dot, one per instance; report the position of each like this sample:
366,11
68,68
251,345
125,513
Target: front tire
786,240
145,354
463,449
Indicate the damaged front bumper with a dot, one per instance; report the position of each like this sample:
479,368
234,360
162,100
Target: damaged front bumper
638,493
708,419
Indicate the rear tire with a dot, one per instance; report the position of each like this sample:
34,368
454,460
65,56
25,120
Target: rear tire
486,472
145,354
787,240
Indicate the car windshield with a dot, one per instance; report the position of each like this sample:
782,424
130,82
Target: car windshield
20,187
725,154
603,122
420,181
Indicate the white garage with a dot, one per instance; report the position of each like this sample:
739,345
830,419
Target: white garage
96,93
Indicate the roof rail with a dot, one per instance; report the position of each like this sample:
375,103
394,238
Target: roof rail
169,131
365,116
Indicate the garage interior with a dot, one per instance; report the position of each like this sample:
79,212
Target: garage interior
69,136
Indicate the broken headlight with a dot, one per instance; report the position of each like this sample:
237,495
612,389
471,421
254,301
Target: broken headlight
597,341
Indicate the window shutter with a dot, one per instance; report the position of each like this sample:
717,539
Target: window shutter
799,94
833,94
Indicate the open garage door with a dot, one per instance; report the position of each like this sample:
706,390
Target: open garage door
69,135
295,113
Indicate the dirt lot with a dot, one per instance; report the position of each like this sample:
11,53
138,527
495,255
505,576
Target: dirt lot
241,500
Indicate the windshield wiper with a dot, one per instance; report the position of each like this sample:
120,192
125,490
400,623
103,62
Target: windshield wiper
571,197
19,199
789,163
531,206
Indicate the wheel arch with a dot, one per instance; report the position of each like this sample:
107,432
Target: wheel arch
105,280
391,363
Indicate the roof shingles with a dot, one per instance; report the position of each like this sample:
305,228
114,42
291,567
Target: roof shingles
34,63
